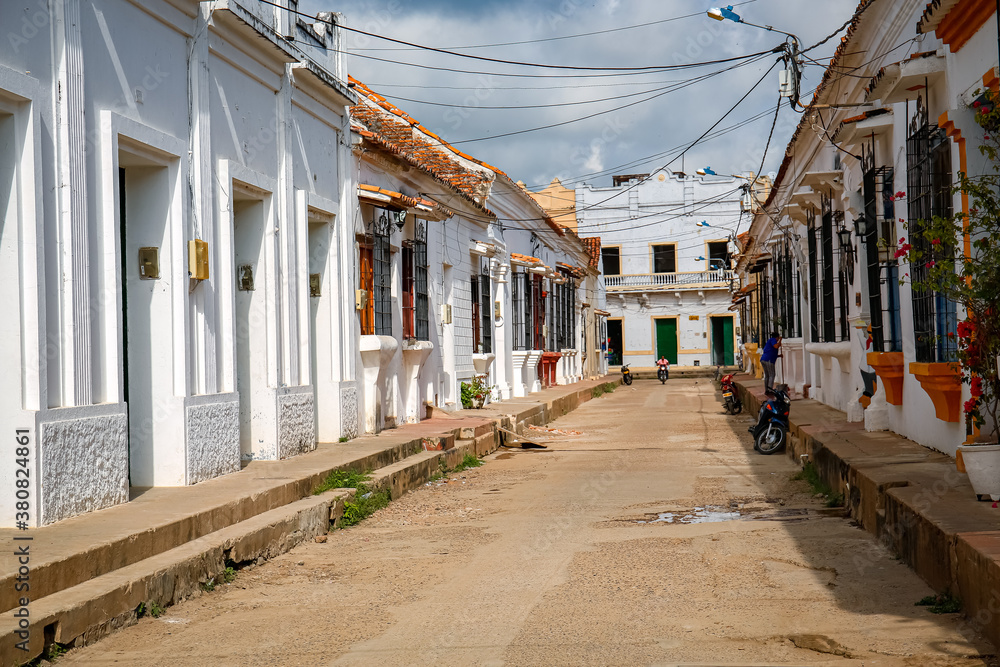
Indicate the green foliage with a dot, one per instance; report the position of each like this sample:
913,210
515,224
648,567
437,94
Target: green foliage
343,438
155,610
470,461
598,391
969,277
363,505
55,652
475,393
342,479
817,485
941,604
228,575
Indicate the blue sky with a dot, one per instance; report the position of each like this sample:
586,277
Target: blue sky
636,139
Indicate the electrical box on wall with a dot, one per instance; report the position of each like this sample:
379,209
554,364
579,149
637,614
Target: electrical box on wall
198,259
360,299
149,263
314,285
497,310
446,313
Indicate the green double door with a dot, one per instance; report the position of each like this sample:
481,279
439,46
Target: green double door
722,341
666,339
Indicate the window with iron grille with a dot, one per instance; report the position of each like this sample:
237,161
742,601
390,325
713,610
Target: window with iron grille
409,329
786,294
880,244
521,290
485,290
366,283
553,317
538,314
815,305
382,274
421,289
845,278
928,180
829,322
477,322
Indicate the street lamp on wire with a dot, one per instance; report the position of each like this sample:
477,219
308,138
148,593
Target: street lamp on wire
792,75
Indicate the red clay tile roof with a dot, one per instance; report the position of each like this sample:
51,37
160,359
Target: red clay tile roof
525,258
399,133
593,246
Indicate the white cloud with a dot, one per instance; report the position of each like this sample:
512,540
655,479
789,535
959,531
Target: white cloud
642,134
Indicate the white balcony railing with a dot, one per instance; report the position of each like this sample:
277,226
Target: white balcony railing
668,280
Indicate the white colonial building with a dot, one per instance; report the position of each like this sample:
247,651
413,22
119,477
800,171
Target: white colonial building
459,274
860,338
666,240
206,264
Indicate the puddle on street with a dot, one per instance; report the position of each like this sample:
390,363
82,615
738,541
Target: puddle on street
714,514
697,515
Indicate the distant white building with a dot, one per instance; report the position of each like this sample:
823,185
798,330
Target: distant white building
666,245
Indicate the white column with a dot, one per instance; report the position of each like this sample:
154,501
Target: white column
71,204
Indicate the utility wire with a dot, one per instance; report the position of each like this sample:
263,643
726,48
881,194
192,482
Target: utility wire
583,34
503,61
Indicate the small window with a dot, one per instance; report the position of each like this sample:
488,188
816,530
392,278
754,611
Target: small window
718,255
664,258
611,257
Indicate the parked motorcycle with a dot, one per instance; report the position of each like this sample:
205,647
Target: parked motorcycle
730,396
771,431
626,374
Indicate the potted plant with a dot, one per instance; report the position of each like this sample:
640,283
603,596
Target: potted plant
475,393
961,255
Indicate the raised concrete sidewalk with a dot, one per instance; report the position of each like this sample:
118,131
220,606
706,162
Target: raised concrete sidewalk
89,574
911,498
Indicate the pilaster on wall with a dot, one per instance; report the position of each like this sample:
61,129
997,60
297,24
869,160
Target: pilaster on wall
204,299
71,205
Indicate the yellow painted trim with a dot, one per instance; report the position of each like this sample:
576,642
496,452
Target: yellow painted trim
677,330
649,352
620,258
652,263
694,351
731,316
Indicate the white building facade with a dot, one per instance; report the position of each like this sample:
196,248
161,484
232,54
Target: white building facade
156,202
666,243
460,275
866,342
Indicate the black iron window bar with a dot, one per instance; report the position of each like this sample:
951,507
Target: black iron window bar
880,245
815,305
382,268
928,180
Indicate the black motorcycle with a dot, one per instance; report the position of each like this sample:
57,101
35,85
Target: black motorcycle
626,374
662,374
771,431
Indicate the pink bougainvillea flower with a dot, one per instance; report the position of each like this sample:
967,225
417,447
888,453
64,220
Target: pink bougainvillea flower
976,104
902,239
970,405
951,334
936,242
899,253
965,329
976,387
931,264
900,195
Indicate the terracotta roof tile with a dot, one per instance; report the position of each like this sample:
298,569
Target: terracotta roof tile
593,246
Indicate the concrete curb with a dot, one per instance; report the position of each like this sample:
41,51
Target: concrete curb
80,597
912,499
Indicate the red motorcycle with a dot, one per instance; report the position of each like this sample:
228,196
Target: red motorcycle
730,396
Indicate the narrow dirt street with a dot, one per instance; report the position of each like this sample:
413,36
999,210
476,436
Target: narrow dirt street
648,533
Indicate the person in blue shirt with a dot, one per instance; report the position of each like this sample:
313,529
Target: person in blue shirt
767,359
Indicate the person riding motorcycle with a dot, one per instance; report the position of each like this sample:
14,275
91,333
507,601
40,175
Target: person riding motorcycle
663,364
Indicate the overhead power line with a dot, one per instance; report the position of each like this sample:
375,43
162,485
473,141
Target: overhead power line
582,34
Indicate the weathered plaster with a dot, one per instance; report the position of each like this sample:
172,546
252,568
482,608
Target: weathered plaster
296,424
84,465
213,437
349,410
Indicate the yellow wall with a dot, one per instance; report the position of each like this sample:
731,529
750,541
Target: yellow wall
559,202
